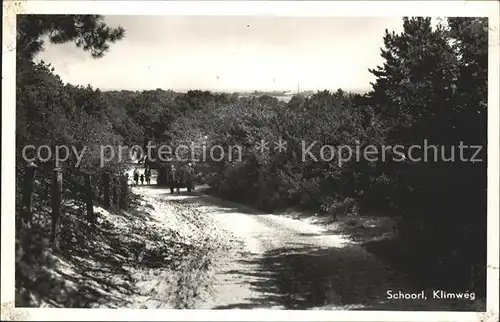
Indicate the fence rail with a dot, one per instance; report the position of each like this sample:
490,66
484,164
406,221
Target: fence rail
112,193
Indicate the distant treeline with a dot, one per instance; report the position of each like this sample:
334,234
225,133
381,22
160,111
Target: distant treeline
277,93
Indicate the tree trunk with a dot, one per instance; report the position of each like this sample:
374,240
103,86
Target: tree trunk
106,202
89,196
56,205
123,186
29,179
115,193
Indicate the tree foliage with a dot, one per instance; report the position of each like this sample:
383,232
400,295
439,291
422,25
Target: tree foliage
51,113
88,32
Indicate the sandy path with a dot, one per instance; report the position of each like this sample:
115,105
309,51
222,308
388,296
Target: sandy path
282,263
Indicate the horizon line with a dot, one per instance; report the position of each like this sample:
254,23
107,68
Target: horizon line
185,90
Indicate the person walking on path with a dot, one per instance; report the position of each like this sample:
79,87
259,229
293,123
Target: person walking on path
174,179
142,179
189,176
136,177
148,176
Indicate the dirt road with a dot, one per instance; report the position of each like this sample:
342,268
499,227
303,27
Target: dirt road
282,263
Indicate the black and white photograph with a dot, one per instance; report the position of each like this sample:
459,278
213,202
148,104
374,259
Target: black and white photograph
277,157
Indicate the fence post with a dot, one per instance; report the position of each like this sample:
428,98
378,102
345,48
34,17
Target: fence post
88,198
46,181
123,186
29,179
56,205
118,195
115,193
106,189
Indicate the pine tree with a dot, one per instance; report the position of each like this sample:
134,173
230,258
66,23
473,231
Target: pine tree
433,85
414,86
88,32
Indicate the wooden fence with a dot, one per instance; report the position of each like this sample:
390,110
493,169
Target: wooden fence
114,190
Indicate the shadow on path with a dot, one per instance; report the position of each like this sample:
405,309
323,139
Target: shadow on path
309,277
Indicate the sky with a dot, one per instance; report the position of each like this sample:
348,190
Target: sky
231,53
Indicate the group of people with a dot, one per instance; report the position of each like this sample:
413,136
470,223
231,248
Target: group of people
175,176
180,176
146,175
